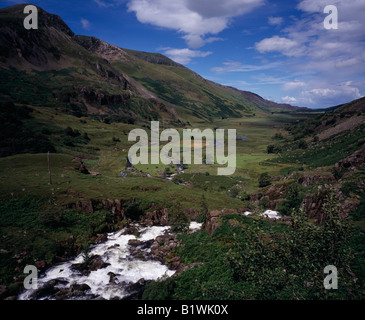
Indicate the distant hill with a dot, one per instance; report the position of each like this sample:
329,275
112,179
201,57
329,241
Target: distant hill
85,75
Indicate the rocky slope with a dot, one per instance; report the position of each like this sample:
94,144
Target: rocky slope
104,79
327,154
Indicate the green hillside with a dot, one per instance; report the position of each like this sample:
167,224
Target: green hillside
67,105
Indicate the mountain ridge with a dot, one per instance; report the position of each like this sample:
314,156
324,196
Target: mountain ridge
156,83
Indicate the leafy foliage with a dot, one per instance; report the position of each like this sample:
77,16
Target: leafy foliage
292,201
249,258
178,219
264,180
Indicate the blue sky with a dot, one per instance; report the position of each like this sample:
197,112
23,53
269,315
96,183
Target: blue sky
277,49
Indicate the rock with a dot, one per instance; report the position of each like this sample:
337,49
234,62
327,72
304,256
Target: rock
134,242
136,289
131,229
112,278
212,221
115,207
48,289
74,291
80,287
40,264
94,264
157,217
97,263
3,290
355,160
82,169
101,238
308,180
80,165
84,205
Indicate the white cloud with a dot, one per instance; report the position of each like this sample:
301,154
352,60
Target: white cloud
324,61
275,21
236,66
193,19
184,56
320,92
292,85
286,46
197,41
289,100
85,23
332,95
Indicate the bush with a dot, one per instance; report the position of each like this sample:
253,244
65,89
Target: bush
270,148
302,144
278,136
134,210
86,136
290,265
273,148
72,133
292,201
234,191
178,219
264,180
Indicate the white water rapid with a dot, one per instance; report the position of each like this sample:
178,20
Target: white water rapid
122,267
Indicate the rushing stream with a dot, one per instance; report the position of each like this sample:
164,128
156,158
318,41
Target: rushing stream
122,269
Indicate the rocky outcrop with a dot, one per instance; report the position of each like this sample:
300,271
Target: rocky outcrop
94,96
354,161
307,180
156,217
115,206
213,221
162,250
312,204
105,50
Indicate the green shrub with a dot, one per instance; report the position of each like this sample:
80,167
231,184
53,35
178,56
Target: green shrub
264,180
178,219
302,144
134,210
292,201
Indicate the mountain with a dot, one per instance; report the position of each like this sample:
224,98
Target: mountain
87,76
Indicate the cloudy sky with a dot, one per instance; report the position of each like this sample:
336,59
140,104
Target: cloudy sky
280,50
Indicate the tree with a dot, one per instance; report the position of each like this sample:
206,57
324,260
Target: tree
178,219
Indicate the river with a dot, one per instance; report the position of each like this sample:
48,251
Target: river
122,269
